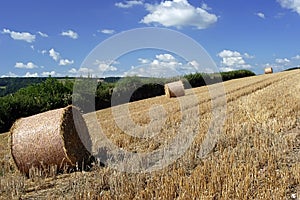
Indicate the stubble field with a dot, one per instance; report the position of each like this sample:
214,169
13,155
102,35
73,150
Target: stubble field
255,153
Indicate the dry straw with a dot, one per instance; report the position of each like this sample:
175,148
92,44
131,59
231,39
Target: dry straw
268,70
50,139
174,89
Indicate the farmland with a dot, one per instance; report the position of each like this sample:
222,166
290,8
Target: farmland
255,156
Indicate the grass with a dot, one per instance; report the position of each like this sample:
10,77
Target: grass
255,157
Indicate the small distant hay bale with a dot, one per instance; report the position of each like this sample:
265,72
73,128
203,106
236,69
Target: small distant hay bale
50,139
268,70
174,89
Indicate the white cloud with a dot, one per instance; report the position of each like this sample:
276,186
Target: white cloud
84,71
106,66
204,6
10,74
43,51
54,55
282,61
70,34
190,67
293,5
42,34
229,53
226,69
178,13
52,73
246,55
166,61
29,65
261,15
194,63
297,57
73,71
25,36
233,59
143,61
163,65
64,62
28,74
165,57
108,31
129,4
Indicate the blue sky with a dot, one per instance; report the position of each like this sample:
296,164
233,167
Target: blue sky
42,38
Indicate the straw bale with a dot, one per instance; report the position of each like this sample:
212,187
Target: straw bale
174,89
50,139
268,70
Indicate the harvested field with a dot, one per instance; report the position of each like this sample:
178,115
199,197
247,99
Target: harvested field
256,154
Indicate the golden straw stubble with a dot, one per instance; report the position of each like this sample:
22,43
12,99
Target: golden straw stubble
50,138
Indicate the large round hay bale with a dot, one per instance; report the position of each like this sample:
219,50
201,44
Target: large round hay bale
174,89
268,70
50,139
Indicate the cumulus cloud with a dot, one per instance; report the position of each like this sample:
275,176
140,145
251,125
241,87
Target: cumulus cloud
54,55
166,61
73,71
179,13
61,61
108,31
42,34
143,61
163,65
233,60
293,5
226,69
83,71
64,62
129,4
246,55
261,15
43,51
165,57
297,57
10,74
29,65
25,36
204,6
194,63
282,61
106,66
52,73
71,34
28,74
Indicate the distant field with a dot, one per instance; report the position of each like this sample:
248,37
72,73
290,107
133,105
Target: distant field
257,154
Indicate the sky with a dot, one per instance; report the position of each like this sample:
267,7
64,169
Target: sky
42,38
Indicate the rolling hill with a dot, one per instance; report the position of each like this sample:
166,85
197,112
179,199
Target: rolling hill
252,151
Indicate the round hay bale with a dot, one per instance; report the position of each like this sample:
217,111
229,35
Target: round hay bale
268,70
50,139
174,89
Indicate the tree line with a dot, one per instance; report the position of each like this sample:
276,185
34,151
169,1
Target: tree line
52,93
